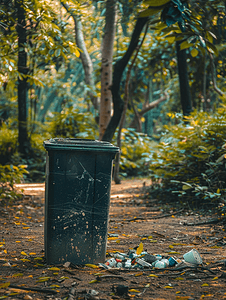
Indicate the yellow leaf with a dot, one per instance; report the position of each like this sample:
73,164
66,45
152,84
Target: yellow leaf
147,285
194,52
140,249
152,275
5,251
32,253
77,53
156,2
24,259
26,227
112,238
18,275
17,223
168,287
93,281
215,278
205,284
171,247
23,253
172,216
54,269
43,279
218,191
92,266
38,258
143,239
174,252
4,285
139,274
18,241
118,241
179,278
134,291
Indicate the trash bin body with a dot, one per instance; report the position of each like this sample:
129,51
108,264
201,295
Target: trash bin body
77,200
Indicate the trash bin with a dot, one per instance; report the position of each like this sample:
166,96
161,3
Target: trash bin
77,200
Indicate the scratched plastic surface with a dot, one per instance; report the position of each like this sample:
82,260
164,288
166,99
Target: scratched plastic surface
77,200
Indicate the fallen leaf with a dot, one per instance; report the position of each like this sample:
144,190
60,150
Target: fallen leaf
92,266
140,249
4,285
134,291
23,253
139,274
152,275
54,269
168,287
24,259
205,284
43,279
18,275
93,281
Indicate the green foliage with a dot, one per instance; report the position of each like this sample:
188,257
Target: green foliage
135,153
8,142
190,159
72,123
9,175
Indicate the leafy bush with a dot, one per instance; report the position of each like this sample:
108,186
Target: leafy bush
190,159
9,175
8,142
71,123
135,153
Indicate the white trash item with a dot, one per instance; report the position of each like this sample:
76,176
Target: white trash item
193,257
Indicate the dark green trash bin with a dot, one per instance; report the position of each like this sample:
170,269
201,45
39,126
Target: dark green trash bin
77,200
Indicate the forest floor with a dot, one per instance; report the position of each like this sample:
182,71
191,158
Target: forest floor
133,219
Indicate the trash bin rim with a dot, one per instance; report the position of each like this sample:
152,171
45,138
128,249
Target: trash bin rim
79,144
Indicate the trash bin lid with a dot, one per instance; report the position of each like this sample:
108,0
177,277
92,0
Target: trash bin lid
80,145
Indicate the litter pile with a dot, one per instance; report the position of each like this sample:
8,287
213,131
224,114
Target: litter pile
137,258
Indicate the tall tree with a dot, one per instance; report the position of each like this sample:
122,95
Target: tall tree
185,93
119,68
106,66
85,57
22,80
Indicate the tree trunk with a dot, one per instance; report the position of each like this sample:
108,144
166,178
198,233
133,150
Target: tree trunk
106,66
119,67
85,58
185,93
24,144
121,124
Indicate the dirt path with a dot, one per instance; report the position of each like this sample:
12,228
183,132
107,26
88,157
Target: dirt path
133,219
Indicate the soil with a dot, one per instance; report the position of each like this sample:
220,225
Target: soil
134,219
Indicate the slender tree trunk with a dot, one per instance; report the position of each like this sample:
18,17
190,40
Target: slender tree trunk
106,66
23,139
185,93
121,124
85,58
119,67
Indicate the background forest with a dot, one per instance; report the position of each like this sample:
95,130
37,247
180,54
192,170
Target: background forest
148,76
